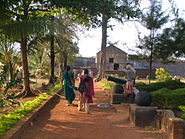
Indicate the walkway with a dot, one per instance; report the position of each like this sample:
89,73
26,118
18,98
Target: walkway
66,122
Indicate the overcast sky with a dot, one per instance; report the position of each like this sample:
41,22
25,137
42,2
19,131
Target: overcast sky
125,35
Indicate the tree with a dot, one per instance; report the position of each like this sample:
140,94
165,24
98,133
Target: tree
39,59
8,55
153,20
171,41
20,19
119,10
65,35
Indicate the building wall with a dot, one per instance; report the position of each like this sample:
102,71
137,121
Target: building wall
83,62
119,57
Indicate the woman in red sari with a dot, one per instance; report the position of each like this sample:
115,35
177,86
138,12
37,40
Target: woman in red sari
86,95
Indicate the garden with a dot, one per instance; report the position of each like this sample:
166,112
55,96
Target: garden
12,106
38,38
166,92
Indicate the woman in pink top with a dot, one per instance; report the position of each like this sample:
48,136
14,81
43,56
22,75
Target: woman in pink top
87,92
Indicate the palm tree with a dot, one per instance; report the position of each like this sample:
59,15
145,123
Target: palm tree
8,55
22,18
67,49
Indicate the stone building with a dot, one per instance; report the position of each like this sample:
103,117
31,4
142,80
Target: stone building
116,59
83,62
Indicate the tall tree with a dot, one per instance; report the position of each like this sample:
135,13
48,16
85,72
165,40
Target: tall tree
153,20
65,35
171,41
22,18
120,10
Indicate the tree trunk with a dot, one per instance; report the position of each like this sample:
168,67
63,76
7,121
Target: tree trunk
102,64
151,54
52,60
26,89
10,70
61,67
150,66
65,60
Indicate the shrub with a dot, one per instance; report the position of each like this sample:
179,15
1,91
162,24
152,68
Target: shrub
170,84
162,75
177,98
183,109
165,98
160,97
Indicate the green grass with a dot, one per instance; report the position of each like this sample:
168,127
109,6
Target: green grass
107,84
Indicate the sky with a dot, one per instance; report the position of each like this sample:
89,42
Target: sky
124,35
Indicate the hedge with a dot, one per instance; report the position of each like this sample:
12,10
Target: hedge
170,84
183,109
165,98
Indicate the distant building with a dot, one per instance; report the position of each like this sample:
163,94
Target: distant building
116,59
83,62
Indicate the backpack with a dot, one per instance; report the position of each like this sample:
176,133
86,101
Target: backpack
82,86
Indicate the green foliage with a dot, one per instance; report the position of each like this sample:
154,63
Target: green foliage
107,84
88,12
165,98
183,109
3,75
162,75
159,97
5,97
170,84
9,120
171,41
147,77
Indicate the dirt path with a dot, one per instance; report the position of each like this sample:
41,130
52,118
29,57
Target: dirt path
66,122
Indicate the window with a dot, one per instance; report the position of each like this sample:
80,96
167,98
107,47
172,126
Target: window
111,60
116,66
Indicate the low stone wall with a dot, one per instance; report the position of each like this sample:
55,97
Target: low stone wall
172,127
142,115
31,118
164,120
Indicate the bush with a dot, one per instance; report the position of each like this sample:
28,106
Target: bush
170,84
162,75
165,98
159,97
183,109
177,98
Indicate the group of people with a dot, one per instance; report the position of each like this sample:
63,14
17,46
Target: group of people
86,86
85,89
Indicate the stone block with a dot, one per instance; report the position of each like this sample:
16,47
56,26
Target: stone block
117,98
177,128
142,116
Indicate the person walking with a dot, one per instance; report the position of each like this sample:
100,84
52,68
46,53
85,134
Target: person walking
86,89
68,85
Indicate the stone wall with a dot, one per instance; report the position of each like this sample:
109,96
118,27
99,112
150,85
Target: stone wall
165,121
171,127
